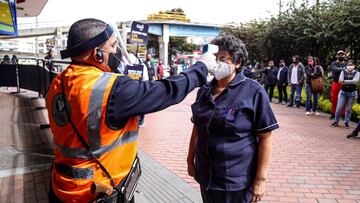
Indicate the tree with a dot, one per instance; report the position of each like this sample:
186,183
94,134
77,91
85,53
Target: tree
319,30
176,45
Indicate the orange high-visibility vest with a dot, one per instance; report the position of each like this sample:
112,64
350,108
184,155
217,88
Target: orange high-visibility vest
87,89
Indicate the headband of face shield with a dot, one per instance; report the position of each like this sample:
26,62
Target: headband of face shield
88,44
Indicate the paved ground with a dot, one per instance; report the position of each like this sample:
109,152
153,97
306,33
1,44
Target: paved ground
26,156
312,162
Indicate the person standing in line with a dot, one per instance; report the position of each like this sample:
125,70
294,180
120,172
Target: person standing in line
336,68
313,71
282,82
270,79
150,67
348,94
247,70
296,77
173,68
258,72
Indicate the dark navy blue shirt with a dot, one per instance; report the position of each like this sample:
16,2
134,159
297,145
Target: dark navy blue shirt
227,128
130,98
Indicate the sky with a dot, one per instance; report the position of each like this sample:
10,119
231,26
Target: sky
66,12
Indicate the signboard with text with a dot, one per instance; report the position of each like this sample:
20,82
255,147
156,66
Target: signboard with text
139,33
8,21
135,72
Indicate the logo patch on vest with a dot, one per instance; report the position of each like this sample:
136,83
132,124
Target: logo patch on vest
58,110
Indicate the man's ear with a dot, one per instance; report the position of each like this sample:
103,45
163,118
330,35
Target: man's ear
238,65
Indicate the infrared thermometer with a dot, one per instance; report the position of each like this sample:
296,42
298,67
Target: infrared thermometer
212,48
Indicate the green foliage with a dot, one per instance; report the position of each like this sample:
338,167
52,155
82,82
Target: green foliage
179,44
356,111
176,45
319,30
324,105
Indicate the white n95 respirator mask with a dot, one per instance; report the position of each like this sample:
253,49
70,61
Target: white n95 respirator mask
222,70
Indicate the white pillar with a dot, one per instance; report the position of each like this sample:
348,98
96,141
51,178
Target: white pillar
58,36
124,33
163,45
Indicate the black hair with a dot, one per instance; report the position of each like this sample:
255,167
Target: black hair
351,61
84,30
297,57
316,60
234,46
6,58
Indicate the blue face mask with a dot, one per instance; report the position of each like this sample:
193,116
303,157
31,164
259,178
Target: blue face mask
115,59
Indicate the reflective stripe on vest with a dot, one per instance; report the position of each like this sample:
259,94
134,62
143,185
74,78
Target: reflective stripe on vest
77,173
127,137
95,110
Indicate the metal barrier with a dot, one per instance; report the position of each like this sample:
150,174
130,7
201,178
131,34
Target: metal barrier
30,74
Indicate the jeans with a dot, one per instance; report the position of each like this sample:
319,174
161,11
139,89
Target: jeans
271,93
298,89
315,96
282,92
345,98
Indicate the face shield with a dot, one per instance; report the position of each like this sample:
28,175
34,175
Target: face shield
125,55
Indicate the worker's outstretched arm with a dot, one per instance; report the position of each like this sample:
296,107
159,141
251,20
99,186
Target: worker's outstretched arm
131,98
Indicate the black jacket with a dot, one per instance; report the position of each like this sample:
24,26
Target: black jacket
336,69
271,76
150,69
313,73
283,75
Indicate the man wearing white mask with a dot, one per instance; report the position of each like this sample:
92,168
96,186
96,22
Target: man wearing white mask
348,94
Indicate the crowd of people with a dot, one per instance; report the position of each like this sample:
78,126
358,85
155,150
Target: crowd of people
298,76
7,60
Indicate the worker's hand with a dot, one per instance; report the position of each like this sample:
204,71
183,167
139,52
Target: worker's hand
258,190
191,167
209,60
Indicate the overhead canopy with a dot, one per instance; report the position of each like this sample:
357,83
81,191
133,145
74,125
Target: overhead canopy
29,8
